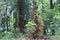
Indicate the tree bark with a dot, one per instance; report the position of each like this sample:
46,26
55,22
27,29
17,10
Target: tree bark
21,22
51,4
38,21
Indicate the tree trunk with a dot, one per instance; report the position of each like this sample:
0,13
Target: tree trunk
21,16
38,21
6,16
51,4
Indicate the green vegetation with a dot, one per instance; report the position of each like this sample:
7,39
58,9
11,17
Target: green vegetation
19,18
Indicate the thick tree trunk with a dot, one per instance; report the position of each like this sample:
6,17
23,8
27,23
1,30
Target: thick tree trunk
21,16
38,21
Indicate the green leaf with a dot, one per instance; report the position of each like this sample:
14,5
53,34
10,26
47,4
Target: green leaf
29,24
12,20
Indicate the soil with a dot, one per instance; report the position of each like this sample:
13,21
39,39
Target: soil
46,38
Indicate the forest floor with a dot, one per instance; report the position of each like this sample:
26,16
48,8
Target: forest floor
44,39
56,37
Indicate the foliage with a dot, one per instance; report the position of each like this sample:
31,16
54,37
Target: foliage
29,26
12,20
51,17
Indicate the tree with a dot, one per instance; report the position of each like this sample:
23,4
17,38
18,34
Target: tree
51,4
38,21
21,16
